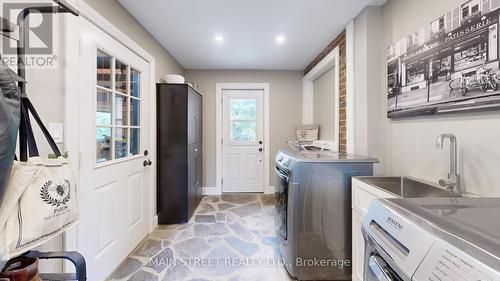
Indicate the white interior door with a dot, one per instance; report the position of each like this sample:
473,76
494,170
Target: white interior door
243,141
114,129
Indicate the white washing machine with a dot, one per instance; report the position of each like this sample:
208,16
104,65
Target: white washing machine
433,239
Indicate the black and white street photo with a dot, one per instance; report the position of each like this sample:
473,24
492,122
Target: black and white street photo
450,65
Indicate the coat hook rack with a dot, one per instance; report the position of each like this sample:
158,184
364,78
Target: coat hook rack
9,29
62,7
12,30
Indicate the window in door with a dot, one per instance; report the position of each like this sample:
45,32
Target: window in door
118,103
243,120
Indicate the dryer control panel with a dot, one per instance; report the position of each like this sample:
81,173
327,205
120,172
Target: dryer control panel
446,262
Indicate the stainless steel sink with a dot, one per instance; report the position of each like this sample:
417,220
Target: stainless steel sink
406,187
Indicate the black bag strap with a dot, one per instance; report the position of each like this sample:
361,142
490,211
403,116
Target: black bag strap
26,136
28,142
23,138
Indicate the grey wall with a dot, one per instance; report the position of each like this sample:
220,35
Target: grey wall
324,104
367,29
285,103
113,11
407,147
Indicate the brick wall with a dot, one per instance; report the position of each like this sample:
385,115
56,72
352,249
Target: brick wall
339,41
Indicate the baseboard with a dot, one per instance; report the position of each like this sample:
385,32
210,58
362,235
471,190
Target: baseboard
155,223
206,191
269,190
211,191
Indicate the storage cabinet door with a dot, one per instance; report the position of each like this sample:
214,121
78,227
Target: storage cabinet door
358,247
199,120
199,178
172,192
171,123
194,117
191,188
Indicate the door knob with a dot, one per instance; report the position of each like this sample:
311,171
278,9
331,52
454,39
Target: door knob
260,142
260,149
147,163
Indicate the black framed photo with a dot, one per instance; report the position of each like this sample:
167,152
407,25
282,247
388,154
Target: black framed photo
450,65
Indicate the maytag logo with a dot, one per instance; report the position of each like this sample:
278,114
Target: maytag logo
395,223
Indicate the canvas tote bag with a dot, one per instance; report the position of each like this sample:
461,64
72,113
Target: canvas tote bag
41,198
10,105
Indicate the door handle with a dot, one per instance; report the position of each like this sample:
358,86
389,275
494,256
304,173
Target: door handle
147,163
379,269
260,149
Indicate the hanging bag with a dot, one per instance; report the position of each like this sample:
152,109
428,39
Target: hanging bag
10,105
41,198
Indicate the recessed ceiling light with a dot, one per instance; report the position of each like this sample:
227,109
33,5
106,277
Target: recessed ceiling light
280,39
219,38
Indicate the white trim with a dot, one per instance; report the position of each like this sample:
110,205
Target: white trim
218,128
155,221
350,89
72,53
332,60
71,116
270,190
213,190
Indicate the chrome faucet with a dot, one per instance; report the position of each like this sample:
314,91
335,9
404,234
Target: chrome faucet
453,181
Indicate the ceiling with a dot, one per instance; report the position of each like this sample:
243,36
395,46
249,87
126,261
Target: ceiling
249,28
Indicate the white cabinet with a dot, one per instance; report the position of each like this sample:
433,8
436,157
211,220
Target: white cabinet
362,196
358,247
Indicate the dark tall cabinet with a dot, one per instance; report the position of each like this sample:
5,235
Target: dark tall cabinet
179,144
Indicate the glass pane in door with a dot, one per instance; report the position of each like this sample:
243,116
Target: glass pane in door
121,73
243,109
135,142
243,119
243,131
104,108
135,78
103,144
103,69
121,110
120,142
134,112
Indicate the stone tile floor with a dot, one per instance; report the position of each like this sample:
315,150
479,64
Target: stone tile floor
229,238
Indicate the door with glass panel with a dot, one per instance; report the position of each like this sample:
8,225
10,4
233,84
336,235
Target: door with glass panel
115,171
243,136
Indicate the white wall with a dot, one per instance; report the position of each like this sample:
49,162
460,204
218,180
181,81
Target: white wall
407,146
285,104
324,104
